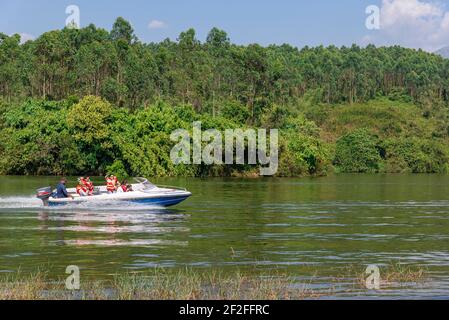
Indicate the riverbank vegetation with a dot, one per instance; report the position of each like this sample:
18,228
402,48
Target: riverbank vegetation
91,101
197,284
158,284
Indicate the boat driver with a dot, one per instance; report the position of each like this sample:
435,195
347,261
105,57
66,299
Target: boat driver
61,190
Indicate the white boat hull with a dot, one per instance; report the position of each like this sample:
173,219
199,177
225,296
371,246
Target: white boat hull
142,194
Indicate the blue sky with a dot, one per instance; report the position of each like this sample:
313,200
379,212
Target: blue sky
298,22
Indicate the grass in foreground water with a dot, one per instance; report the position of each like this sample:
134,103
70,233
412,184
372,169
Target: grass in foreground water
190,284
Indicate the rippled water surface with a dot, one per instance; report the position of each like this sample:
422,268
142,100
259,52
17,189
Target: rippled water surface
311,229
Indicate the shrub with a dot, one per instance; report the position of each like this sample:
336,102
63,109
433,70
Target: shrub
118,169
358,152
302,151
236,112
415,155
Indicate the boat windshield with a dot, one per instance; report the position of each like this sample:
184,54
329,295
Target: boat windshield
147,185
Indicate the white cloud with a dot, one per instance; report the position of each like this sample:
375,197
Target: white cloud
396,12
24,37
412,23
157,24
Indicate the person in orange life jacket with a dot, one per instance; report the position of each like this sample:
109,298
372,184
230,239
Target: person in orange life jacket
81,187
89,185
111,182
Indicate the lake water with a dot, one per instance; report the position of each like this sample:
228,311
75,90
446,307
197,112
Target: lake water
311,229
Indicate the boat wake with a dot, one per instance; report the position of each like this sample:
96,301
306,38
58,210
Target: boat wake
18,202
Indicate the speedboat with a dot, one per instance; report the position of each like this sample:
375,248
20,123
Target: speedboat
143,192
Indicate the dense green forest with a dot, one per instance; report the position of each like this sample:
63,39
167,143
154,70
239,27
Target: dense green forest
92,101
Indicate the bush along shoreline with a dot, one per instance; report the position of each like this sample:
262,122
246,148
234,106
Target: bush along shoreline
92,136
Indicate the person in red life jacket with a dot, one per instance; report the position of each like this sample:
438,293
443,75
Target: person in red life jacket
124,186
111,182
81,188
89,185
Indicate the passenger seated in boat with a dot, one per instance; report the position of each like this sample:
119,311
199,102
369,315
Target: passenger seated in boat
89,186
81,188
124,187
111,184
119,188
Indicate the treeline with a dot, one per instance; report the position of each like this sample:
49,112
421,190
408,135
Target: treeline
90,101
118,67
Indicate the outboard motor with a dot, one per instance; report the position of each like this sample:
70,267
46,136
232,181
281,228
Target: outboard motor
44,194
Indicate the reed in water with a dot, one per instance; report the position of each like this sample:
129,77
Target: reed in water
191,284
